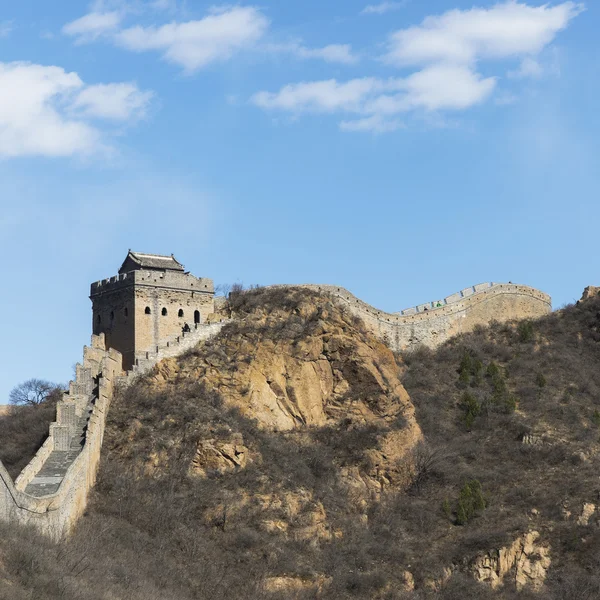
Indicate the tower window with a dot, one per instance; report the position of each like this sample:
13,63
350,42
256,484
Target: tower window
147,311
99,319
112,315
164,312
197,316
180,313
126,312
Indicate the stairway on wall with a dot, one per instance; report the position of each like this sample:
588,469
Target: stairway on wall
173,346
51,474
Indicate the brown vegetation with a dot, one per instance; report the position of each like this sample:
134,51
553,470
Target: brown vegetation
203,495
23,429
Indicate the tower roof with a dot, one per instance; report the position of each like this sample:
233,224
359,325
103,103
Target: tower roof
139,260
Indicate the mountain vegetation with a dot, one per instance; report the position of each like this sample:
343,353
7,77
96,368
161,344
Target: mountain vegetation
295,456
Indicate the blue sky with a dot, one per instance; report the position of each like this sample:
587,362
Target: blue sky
404,150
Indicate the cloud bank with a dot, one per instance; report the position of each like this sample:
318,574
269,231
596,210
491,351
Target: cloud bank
445,53
193,45
47,111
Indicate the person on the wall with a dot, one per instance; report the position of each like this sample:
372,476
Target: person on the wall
186,328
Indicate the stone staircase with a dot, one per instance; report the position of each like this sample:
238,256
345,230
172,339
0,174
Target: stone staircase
52,472
173,346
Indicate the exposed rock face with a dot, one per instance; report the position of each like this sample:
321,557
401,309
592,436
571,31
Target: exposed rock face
219,456
526,559
586,513
590,292
295,585
316,367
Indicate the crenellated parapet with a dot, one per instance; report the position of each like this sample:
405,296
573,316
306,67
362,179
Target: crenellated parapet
160,280
51,492
434,322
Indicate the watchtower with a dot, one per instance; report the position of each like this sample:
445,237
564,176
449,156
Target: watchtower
147,303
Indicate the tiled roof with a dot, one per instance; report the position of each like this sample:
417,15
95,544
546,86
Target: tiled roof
153,261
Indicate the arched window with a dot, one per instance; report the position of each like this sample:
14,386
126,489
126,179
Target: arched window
164,312
197,317
147,311
112,315
180,313
126,312
99,319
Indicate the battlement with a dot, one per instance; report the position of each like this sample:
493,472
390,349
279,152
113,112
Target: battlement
155,279
457,297
430,324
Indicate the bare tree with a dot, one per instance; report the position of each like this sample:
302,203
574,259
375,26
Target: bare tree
34,391
223,289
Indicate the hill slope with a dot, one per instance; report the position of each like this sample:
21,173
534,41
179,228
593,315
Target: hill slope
285,459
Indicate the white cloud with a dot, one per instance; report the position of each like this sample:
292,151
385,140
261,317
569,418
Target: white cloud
333,53
529,68
382,8
372,124
445,50
510,29
93,25
38,112
440,87
195,44
321,96
115,101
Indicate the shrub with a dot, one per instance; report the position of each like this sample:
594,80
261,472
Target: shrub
471,408
525,331
470,502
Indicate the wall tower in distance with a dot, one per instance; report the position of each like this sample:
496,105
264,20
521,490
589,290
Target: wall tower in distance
147,303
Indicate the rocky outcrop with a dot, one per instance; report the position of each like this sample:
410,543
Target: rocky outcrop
217,456
526,560
294,585
590,292
315,367
586,513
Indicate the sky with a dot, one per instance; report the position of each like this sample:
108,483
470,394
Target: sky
401,149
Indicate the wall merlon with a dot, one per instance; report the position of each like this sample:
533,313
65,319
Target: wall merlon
453,298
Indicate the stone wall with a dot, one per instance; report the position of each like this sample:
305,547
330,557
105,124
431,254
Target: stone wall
137,311
173,346
80,416
435,322
169,311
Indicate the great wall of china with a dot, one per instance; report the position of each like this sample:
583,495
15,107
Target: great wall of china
51,492
433,323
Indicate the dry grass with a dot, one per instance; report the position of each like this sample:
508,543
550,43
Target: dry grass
154,532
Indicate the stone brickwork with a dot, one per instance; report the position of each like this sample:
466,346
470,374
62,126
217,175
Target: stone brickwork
51,492
138,310
173,346
435,322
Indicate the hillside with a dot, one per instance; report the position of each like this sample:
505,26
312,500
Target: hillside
294,456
